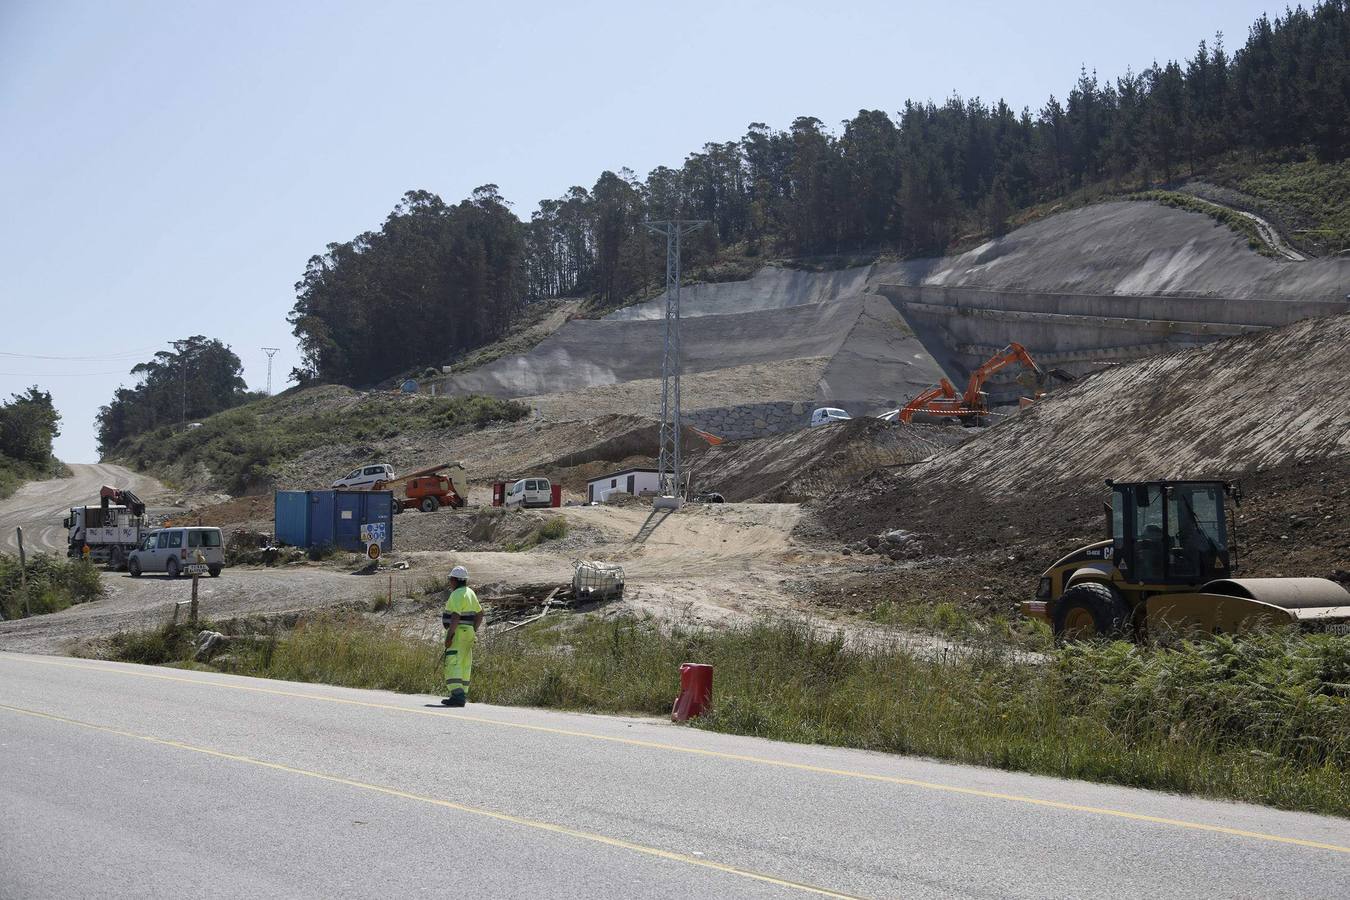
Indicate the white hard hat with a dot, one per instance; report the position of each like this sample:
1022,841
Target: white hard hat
460,572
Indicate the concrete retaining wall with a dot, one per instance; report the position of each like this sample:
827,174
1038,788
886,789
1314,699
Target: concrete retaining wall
1079,331
752,420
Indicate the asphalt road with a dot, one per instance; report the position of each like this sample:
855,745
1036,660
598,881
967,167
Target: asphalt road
39,506
120,780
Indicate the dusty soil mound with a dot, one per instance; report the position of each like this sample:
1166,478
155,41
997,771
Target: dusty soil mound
1269,409
815,462
486,529
1255,401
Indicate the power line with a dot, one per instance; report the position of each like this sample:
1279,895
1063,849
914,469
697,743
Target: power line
111,357
59,374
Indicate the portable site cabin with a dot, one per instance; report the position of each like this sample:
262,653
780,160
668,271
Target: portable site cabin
313,519
630,481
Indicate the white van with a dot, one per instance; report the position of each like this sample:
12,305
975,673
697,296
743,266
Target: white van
528,492
827,414
172,550
364,478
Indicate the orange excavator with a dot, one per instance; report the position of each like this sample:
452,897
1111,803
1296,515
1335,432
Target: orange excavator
426,489
972,407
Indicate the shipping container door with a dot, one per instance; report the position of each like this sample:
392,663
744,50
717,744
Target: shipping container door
290,518
348,506
321,515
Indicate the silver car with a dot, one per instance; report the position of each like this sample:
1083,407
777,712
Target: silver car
365,478
172,550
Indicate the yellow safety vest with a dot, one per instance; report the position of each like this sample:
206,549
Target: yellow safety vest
464,602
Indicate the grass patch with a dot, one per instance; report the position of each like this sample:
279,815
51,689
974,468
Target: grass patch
240,447
553,530
14,473
1317,194
1264,719
53,584
1241,225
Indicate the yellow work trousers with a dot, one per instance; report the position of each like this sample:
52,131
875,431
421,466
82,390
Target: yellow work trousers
459,661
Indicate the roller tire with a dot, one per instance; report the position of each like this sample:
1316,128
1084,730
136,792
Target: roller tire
1090,610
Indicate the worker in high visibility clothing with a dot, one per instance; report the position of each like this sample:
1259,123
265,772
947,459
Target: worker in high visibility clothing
462,618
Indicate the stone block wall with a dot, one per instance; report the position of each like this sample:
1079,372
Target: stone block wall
751,420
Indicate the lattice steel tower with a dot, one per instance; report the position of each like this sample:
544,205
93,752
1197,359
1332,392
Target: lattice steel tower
271,352
671,426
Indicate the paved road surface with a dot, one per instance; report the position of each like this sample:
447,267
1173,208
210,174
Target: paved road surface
39,506
122,780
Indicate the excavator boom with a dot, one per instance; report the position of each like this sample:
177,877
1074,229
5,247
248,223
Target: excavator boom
943,401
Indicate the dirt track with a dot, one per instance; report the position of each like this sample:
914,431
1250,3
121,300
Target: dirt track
39,506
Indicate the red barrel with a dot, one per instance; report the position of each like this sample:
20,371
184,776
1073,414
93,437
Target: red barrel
695,691
498,493
555,498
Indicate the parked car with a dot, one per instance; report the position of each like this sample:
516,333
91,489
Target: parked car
528,492
827,414
172,550
365,478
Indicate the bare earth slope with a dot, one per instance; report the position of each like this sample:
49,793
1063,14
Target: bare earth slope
1255,401
1268,408
1129,247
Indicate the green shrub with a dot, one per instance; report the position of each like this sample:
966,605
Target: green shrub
53,584
554,529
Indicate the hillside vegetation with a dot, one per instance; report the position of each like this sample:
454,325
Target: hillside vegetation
238,450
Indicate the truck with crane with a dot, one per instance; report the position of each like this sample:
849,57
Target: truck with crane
110,530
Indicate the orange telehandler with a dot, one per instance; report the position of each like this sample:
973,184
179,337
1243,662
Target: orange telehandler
425,489
972,407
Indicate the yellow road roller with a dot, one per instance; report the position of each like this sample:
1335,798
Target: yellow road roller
1167,567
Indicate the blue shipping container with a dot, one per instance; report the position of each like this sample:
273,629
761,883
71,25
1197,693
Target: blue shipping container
333,518
290,518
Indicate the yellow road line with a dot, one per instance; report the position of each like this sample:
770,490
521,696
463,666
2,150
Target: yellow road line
718,754
448,804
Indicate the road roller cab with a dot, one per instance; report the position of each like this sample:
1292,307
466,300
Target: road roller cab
1167,566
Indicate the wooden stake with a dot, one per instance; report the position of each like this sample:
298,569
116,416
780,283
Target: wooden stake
23,570
192,611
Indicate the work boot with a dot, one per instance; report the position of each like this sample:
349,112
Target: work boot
455,699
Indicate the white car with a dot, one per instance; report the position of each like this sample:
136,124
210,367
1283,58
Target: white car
827,414
364,478
530,492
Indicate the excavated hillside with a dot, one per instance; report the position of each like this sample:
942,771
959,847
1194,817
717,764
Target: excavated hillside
1110,282
1269,409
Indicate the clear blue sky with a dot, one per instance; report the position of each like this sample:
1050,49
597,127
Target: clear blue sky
166,169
